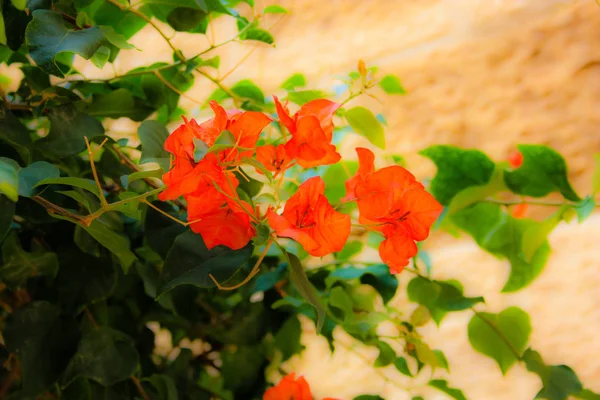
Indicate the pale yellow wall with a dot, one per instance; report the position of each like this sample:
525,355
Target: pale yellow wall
480,73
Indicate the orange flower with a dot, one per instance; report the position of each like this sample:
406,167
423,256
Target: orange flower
273,158
312,130
309,219
289,388
222,226
520,210
516,159
246,128
392,202
185,177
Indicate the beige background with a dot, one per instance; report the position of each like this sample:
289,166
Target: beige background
480,73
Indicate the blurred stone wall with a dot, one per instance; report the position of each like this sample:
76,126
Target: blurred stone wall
480,73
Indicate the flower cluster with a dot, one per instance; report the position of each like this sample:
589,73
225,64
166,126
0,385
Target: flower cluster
207,174
291,388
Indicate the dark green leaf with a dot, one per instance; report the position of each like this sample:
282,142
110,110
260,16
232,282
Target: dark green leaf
300,280
104,355
268,280
82,183
9,178
559,381
184,19
20,265
294,81
113,241
442,385
457,169
391,85
502,336
68,127
36,172
43,342
386,356
377,276
7,211
189,262
402,366
258,34
116,104
366,124
287,338
160,230
164,385
500,234
543,171
250,357
153,134
13,132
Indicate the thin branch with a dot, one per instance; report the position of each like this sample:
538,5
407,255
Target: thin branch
55,209
139,388
251,275
531,202
173,88
93,167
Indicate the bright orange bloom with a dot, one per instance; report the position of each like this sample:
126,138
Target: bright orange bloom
520,210
309,219
222,226
246,128
312,131
289,388
515,159
394,203
186,177
273,158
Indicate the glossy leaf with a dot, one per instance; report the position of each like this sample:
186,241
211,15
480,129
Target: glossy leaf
30,176
302,284
502,337
9,178
189,262
543,171
104,355
366,124
457,169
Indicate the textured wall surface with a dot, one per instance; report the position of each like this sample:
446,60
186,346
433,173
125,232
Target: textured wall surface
480,73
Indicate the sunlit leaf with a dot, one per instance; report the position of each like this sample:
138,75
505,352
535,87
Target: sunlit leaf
366,124
391,85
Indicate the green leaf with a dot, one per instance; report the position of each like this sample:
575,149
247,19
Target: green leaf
420,316
457,169
68,127
442,360
189,262
104,355
13,132
439,297
116,104
391,85
114,38
152,135
386,356
300,281
7,211
442,385
500,234
248,90
302,97
596,176
126,180
164,385
43,342
377,276
287,338
250,357
585,208
275,9
335,177
86,184
30,176
425,354
184,19
537,234
9,178
20,265
113,241
402,366
474,194
543,171
502,337
224,141
559,381
351,248
368,397
366,124
48,36
295,81
249,185
160,230
586,394
258,34
340,304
